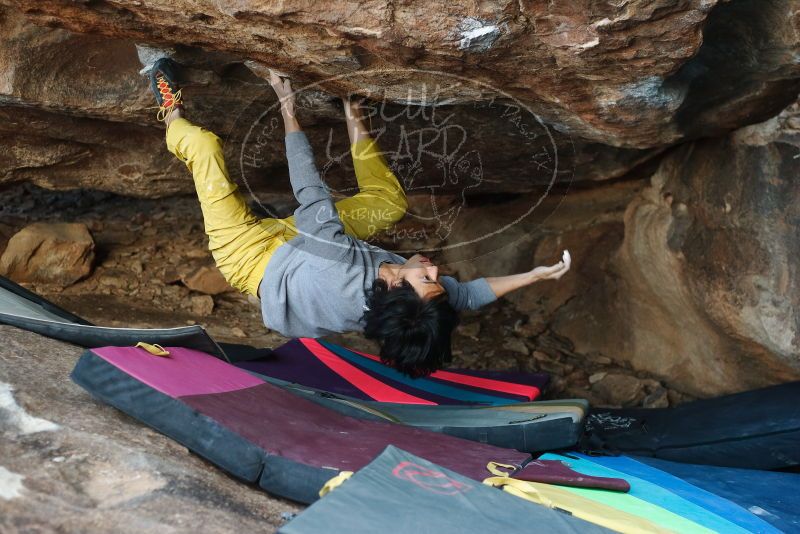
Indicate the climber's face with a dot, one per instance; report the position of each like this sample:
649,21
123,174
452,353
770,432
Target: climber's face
422,275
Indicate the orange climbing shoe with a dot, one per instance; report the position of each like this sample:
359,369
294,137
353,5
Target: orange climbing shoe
163,83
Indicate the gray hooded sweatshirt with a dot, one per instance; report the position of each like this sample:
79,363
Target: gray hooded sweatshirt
316,283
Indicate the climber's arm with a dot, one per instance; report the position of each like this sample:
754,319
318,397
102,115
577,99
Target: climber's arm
481,291
316,217
502,285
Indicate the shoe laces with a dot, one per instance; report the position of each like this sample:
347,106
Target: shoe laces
169,100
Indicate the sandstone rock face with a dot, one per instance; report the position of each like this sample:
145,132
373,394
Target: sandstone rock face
75,113
69,463
637,74
705,269
58,253
689,274
612,85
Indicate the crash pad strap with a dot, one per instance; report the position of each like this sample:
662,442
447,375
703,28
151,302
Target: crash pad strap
154,349
494,468
555,472
587,509
371,386
492,384
435,387
335,482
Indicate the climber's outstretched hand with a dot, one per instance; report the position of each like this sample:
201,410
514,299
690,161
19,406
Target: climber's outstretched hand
553,272
503,285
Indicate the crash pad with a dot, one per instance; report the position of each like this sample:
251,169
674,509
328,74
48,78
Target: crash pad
24,309
758,429
403,493
255,430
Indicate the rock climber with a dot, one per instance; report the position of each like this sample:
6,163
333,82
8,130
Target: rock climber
312,271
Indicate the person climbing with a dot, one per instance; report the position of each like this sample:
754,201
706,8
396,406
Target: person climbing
313,271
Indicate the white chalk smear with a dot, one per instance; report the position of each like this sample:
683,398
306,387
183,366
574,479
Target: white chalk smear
148,55
367,32
477,35
474,33
10,484
589,44
14,416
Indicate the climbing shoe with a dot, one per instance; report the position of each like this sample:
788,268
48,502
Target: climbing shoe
163,83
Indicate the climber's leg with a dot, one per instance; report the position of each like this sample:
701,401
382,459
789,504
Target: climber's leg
240,243
381,201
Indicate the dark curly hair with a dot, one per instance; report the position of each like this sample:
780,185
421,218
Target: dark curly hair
414,334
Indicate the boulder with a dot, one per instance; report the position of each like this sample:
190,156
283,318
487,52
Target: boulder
659,398
700,291
75,113
579,92
684,273
672,69
94,469
617,389
208,280
201,305
56,253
